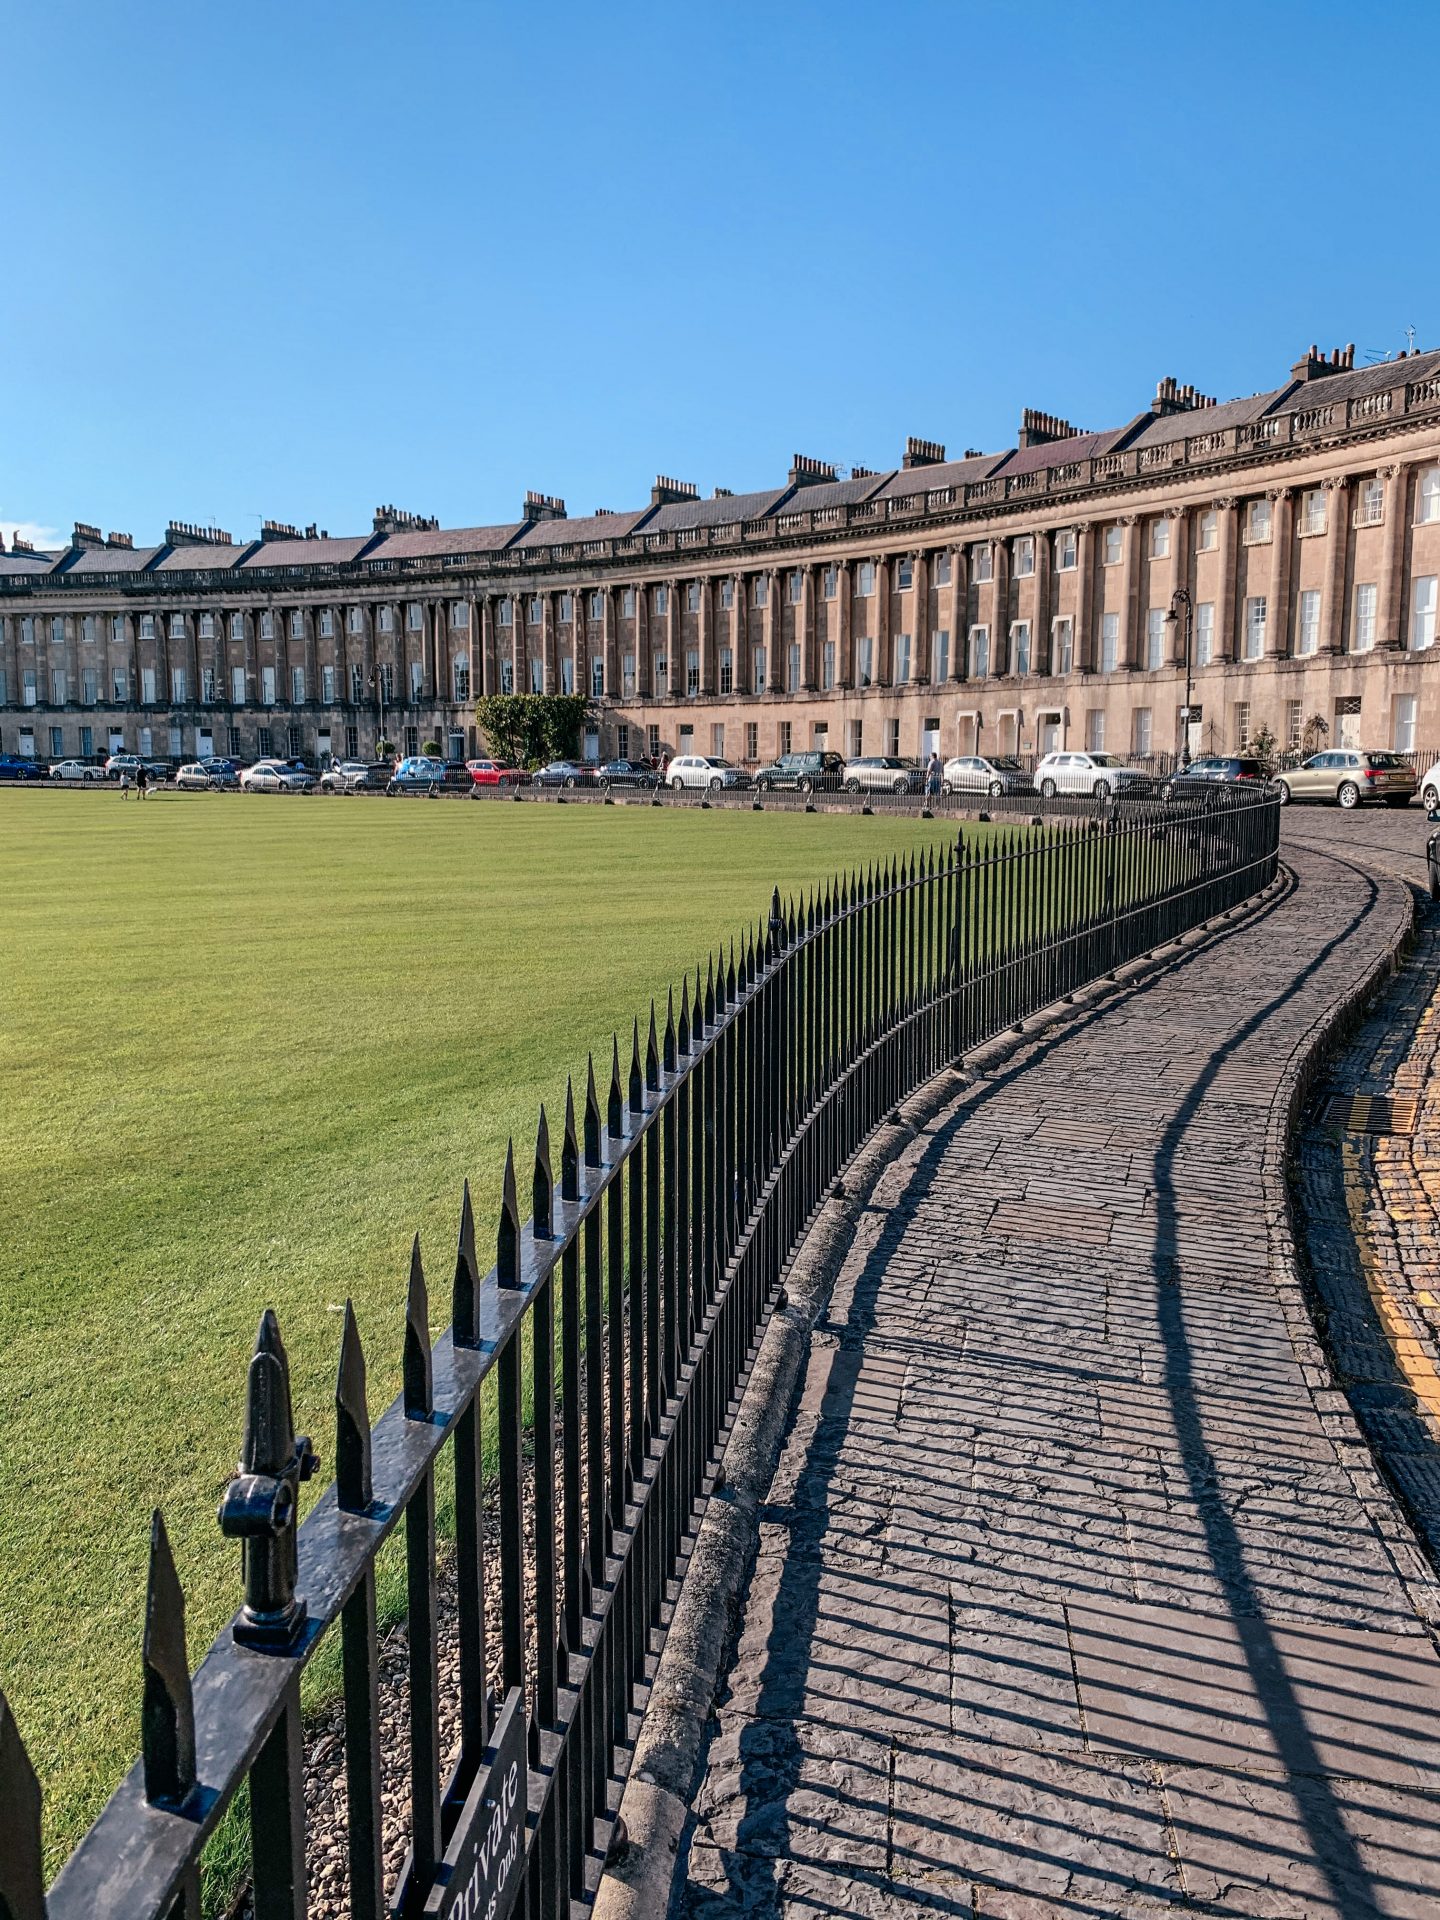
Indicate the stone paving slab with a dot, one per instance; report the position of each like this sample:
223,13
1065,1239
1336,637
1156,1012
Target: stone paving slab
1076,1593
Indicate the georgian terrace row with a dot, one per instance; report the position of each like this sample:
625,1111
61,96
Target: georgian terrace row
1346,564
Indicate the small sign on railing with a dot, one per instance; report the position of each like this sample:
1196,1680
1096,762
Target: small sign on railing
481,1875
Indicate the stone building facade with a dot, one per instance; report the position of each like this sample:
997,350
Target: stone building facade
1003,602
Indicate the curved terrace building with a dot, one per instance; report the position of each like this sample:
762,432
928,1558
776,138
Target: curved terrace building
1002,602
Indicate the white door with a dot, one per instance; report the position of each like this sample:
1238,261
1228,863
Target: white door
592,743
204,744
1049,730
929,739
1347,723
117,740
322,745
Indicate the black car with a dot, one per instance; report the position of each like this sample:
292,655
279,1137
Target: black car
802,773
1211,771
14,766
626,773
566,773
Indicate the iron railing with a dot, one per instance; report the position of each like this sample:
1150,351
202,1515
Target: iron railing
684,1188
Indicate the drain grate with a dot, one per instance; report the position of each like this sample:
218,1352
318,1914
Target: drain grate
1372,1112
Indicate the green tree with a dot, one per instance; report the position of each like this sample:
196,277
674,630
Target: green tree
531,728
1264,747
431,749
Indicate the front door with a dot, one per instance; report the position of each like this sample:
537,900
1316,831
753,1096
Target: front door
1347,722
929,738
1049,732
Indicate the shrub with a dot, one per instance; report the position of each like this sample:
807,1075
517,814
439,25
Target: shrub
531,728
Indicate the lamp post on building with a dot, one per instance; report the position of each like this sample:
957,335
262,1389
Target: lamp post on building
1182,598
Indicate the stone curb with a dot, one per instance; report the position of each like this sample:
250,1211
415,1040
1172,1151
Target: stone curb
638,1879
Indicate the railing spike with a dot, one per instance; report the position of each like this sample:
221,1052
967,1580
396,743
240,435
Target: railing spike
353,1486
22,1855
670,1040
614,1106
465,1294
592,1115
637,1083
167,1713
730,976
682,1031
416,1369
569,1149
652,1056
261,1502
542,1186
507,1233
712,1005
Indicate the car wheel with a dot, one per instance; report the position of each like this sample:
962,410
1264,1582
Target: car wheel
1348,796
569,779
901,786
807,786
1282,792
1047,789
852,786
1103,792
1429,799
716,784
997,787
677,785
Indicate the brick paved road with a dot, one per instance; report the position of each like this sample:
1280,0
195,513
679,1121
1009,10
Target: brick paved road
1077,1593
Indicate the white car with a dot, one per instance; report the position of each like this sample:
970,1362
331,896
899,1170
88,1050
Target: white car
1430,789
75,770
705,771
264,778
1100,776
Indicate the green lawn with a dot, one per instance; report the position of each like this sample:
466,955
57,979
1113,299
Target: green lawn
247,1046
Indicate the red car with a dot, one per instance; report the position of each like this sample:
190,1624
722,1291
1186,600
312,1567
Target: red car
494,773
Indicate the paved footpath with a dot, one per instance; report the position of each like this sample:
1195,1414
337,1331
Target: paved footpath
1078,1592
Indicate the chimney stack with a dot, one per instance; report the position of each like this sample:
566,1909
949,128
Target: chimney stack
183,533
666,492
922,453
543,506
393,520
86,537
1039,429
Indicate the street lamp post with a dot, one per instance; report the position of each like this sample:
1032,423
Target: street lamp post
1182,598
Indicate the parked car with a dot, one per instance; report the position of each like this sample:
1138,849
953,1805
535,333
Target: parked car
206,775
356,776
979,773
705,771
266,776
626,773
157,772
1210,772
495,773
122,766
75,770
17,766
565,773
802,773
1101,776
882,773
1430,788
418,773
1349,778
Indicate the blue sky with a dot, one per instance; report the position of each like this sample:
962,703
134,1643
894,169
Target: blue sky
290,261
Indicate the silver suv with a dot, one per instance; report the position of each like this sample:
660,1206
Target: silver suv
882,773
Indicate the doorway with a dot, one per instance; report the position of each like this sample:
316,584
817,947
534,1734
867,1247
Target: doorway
1047,733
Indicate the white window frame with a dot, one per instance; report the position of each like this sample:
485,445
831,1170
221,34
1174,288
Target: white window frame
1204,636
1114,546
1307,621
1427,497
1423,597
1207,531
1024,551
1020,660
978,650
1109,642
1154,638
1065,550
1259,523
1159,541
1362,631
1314,515
1257,617
982,563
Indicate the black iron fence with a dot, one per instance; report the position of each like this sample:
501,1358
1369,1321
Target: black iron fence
620,1323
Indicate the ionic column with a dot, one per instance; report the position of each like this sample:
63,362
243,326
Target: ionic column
518,681
549,645
1337,542
770,626
959,610
1128,653
1000,608
1040,644
706,634
610,642
809,662
1391,623
845,647
489,677
674,638
884,661
1180,577
920,621
1085,648
1229,558
1277,607
644,679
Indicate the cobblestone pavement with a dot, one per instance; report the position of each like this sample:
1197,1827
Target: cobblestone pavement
1368,1184
1078,1592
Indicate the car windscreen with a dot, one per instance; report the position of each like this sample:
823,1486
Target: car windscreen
1007,762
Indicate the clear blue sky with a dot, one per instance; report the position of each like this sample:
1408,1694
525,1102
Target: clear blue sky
294,260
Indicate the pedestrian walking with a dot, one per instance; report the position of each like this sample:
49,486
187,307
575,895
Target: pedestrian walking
932,775
142,780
